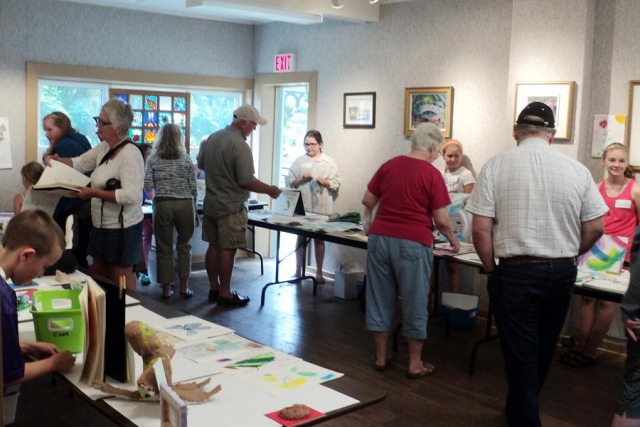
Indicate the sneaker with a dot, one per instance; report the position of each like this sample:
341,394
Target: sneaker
144,279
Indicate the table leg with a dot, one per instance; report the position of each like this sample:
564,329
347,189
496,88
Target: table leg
487,338
292,280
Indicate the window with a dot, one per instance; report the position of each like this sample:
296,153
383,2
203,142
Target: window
79,101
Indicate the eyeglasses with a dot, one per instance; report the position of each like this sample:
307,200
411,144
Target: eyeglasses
101,122
312,144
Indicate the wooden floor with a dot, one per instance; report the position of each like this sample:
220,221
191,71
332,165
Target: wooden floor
330,332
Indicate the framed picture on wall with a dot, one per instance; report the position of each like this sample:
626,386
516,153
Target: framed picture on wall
557,95
428,104
359,110
633,125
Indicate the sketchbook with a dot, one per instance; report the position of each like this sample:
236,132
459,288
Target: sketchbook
61,180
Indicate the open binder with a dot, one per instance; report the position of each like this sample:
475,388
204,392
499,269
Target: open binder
61,180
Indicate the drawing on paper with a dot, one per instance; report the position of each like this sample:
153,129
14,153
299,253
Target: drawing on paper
218,349
253,362
606,256
295,378
607,129
190,328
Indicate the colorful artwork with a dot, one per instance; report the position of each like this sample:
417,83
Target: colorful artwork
607,129
150,119
253,362
606,256
221,349
180,119
150,102
428,105
121,96
135,135
149,136
192,328
137,119
165,118
279,378
180,103
136,102
165,103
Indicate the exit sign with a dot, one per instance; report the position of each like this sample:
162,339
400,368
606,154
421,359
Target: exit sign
285,63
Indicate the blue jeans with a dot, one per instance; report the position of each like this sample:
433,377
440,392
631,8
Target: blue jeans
530,303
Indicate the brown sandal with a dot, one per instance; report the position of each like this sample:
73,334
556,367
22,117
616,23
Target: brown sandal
427,369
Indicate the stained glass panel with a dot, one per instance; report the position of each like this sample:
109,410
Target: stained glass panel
150,102
121,96
149,135
179,103
136,102
180,119
165,103
150,119
135,135
137,119
165,118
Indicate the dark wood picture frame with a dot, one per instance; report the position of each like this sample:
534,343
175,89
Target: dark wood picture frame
359,110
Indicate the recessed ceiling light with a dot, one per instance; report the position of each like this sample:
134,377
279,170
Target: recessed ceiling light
337,4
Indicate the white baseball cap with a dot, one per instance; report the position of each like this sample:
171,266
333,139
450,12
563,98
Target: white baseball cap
250,114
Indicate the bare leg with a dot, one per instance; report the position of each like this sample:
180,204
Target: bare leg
166,290
184,285
587,319
210,262
605,311
117,270
381,340
319,249
455,282
415,355
226,258
300,248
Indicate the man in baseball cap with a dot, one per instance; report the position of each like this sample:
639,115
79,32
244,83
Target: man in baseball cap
227,163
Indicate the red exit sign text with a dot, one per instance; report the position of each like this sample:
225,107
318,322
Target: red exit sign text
285,63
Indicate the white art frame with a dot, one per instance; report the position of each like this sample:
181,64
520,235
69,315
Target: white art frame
633,118
558,95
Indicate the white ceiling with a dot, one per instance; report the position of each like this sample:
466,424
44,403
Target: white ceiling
253,12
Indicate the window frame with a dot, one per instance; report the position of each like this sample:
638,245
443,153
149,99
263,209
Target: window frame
114,79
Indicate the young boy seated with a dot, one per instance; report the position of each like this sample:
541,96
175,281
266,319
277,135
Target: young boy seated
32,241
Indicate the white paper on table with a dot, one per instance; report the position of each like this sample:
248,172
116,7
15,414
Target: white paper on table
217,348
606,285
191,328
142,314
318,397
288,377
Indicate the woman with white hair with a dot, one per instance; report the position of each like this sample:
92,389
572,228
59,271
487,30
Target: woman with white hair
171,174
115,243
410,194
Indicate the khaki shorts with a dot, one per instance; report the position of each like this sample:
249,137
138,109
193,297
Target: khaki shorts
227,232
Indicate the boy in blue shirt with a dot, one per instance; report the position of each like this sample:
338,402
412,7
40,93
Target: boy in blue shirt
31,242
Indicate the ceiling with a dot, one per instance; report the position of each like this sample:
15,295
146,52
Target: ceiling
254,12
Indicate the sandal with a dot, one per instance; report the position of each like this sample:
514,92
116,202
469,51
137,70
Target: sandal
569,356
427,369
187,294
167,296
381,367
582,361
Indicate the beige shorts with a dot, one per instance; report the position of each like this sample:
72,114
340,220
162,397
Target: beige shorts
227,232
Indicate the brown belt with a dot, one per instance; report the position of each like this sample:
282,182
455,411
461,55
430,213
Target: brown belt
525,259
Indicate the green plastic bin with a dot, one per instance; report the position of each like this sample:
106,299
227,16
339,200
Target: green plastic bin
57,318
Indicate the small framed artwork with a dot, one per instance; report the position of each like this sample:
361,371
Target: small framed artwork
172,408
557,95
428,104
633,125
359,110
